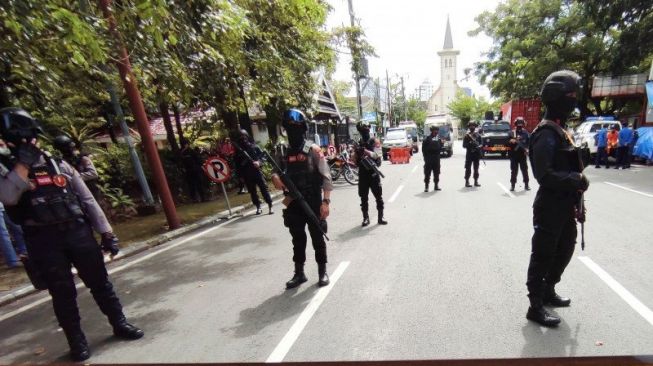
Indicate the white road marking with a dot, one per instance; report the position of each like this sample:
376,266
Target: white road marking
506,190
127,265
414,169
394,195
630,190
629,298
289,339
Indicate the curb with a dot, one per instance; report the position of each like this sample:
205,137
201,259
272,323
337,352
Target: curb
144,245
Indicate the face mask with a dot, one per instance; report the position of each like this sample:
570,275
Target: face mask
295,137
472,129
5,151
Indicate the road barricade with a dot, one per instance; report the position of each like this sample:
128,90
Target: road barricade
399,155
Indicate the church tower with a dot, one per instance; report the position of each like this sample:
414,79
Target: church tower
448,76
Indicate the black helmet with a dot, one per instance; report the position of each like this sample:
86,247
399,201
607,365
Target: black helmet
561,84
472,124
519,121
363,125
294,118
16,124
434,128
63,143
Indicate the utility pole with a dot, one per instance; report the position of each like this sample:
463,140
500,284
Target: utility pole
359,101
403,95
138,109
387,84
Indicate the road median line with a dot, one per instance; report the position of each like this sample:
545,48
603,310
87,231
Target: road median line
629,189
506,190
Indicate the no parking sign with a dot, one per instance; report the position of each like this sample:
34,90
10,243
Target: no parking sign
217,169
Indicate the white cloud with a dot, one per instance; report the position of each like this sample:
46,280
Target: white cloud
407,35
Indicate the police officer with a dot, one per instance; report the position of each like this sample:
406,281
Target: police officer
518,153
248,165
367,178
431,147
557,166
307,168
472,143
79,161
57,212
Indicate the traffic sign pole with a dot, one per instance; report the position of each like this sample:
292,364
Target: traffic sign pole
226,198
218,170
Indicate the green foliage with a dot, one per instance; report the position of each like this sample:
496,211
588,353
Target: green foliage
120,205
533,38
114,167
467,108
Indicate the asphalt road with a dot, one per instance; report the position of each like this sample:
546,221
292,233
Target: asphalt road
445,279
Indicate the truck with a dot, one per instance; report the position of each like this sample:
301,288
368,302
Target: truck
529,109
445,130
495,136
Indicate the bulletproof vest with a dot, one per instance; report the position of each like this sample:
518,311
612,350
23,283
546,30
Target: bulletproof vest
432,145
303,172
52,201
566,157
367,145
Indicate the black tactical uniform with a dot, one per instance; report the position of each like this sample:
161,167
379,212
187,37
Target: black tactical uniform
81,162
56,211
557,166
246,154
307,168
472,143
368,179
431,147
518,154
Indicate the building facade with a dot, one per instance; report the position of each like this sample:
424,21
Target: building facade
448,88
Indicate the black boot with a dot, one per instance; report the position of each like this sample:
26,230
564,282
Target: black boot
526,187
467,183
366,220
124,330
258,210
437,186
77,342
381,219
553,299
542,317
476,184
512,187
322,274
298,278
426,187
270,210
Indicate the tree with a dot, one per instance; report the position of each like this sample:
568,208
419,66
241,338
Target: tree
533,38
467,108
340,91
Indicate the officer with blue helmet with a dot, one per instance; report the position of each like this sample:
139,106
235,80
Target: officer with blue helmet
57,212
308,170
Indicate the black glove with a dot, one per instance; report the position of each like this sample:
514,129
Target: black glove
109,243
584,183
28,154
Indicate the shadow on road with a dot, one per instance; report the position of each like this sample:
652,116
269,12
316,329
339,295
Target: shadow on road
275,309
549,342
358,231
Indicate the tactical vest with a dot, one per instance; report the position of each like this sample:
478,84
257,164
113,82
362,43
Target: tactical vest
52,201
432,145
367,145
303,173
566,157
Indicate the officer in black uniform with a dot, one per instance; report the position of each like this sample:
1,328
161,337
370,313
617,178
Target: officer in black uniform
307,168
57,212
247,160
518,153
472,143
79,161
367,178
557,166
431,147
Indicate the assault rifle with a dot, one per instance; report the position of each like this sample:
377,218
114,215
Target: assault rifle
477,146
296,195
367,162
580,206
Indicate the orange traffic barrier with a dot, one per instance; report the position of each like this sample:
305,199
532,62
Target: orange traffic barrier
399,155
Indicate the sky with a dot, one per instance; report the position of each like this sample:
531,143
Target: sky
407,34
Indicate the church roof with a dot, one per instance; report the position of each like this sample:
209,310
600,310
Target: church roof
448,41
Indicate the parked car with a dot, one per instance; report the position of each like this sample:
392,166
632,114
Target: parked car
395,137
586,131
495,136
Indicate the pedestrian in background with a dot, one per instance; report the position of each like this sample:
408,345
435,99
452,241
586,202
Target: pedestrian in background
248,162
82,162
601,141
623,154
613,142
12,242
192,162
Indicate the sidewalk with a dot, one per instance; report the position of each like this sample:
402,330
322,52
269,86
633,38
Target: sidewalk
140,234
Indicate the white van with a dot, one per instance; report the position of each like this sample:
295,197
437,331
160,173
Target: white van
445,130
585,132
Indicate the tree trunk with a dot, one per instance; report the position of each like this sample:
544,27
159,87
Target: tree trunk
245,121
180,131
167,123
272,120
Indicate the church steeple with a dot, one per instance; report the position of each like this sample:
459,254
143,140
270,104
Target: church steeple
448,41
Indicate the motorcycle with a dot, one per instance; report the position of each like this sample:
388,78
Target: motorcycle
342,165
